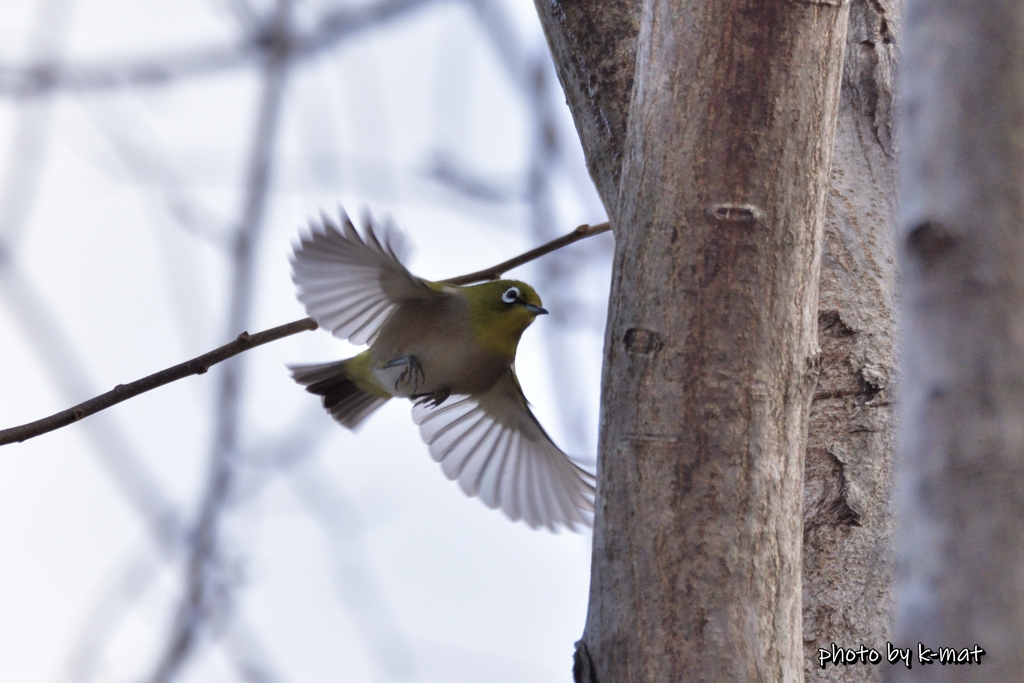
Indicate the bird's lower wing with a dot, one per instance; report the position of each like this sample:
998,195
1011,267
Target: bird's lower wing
496,449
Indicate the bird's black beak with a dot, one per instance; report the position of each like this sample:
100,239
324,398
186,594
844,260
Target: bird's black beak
536,310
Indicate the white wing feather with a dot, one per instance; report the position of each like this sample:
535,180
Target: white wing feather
348,284
495,448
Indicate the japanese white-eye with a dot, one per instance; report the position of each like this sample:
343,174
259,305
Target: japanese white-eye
451,351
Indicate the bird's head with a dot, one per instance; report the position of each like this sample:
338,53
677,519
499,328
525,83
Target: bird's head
500,311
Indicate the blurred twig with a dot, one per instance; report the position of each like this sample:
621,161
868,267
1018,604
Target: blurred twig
532,76
45,76
29,140
356,583
122,462
201,577
146,162
127,585
545,153
249,655
448,172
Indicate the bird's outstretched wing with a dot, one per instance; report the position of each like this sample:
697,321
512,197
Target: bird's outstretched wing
496,449
351,284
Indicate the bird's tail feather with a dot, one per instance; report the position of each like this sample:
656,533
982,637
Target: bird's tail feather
342,397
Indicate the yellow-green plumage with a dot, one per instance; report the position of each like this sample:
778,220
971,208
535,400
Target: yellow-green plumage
451,349
495,325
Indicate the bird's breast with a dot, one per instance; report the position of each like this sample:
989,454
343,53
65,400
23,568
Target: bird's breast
441,339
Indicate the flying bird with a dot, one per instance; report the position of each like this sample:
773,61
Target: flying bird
450,350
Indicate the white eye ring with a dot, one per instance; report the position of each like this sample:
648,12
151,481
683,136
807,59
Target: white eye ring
511,295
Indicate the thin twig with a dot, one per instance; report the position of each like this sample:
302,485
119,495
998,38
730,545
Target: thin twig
245,341
123,392
495,272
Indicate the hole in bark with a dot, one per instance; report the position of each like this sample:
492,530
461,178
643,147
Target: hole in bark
930,240
830,321
828,499
845,515
869,389
641,342
844,374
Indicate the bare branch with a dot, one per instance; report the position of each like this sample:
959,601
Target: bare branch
123,392
495,272
245,341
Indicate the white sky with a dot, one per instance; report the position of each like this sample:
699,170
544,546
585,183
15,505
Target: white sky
361,561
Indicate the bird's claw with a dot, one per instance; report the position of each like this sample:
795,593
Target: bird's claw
434,399
412,372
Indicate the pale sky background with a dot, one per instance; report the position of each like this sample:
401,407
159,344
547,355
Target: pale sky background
342,557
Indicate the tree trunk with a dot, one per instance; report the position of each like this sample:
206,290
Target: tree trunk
847,487
961,487
710,353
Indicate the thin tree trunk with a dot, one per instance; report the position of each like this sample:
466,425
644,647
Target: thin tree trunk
848,519
961,487
847,488
710,353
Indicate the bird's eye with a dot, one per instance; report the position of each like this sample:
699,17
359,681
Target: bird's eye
511,295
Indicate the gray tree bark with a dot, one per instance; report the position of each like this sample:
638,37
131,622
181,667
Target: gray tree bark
711,352
960,493
847,561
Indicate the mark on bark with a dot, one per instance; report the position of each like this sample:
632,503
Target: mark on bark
872,381
930,241
655,438
847,379
641,342
813,369
836,340
841,507
830,321
734,213
842,375
582,664
831,498
869,71
883,24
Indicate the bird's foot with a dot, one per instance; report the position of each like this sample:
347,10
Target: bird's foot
434,399
412,373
